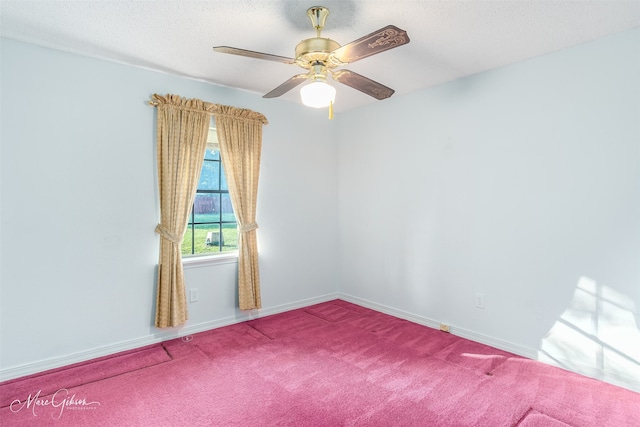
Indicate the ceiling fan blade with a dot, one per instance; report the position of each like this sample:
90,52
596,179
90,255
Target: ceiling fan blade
363,84
384,39
286,86
252,54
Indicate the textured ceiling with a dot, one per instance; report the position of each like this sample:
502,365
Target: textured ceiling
449,39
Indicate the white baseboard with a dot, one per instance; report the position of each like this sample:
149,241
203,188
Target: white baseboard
621,380
461,332
154,338
162,335
390,311
617,379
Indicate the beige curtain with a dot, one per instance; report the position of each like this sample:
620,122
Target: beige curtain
240,137
183,126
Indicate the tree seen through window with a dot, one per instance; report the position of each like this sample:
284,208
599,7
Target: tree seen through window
212,226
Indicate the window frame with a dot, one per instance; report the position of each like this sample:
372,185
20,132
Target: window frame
207,260
210,258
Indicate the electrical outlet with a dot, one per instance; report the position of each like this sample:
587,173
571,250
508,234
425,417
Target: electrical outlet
444,328
479,300
193,295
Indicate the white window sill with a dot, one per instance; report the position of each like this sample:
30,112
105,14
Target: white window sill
210,260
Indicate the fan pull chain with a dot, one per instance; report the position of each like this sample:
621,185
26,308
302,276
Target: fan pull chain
330,110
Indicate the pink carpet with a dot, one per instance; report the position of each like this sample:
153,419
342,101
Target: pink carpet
332,364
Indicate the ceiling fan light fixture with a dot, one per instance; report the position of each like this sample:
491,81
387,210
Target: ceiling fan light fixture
318,94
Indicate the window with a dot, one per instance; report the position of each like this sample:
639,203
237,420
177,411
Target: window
212,226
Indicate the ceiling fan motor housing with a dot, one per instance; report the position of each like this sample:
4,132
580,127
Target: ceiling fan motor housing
313,50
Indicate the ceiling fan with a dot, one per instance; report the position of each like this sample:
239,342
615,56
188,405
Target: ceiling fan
322,56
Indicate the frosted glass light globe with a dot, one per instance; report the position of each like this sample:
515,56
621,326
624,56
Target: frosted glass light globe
318,94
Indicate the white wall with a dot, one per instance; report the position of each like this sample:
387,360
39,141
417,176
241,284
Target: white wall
521,183
79,207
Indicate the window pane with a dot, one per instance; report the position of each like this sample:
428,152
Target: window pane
223,182
209,176
186,241
215,154
212,155
206,208
230,235
212,226
227,208
208,239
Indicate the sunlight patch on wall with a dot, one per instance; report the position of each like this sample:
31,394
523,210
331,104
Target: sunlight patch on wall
597,335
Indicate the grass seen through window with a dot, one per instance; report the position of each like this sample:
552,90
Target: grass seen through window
199,237
212,226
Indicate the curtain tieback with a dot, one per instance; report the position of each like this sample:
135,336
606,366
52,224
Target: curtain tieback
168,235
248,227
